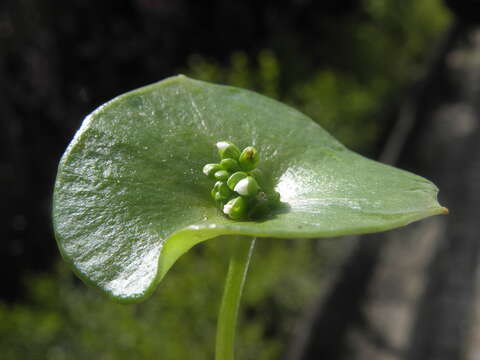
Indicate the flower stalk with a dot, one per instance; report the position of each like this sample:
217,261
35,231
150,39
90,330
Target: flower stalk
228,314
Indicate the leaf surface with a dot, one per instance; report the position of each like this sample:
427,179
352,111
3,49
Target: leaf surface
130,196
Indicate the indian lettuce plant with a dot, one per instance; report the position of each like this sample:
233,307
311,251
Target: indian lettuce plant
156,171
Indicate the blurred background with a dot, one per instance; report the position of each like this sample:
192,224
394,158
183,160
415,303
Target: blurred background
394,80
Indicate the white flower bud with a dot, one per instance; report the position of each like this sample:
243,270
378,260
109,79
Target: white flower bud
247,187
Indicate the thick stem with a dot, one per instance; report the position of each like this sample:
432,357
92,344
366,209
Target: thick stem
227,317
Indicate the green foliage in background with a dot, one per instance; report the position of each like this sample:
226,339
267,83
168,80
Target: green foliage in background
364,70
65,321
368,62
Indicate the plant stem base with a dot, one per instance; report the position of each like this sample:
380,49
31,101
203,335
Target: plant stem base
227,317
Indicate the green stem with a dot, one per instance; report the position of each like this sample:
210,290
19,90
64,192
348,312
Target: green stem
227,317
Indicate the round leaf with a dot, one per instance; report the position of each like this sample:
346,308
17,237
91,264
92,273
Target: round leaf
130,196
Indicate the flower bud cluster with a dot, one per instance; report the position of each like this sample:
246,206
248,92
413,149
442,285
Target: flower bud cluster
237,191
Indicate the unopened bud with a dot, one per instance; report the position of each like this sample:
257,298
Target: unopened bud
221,175
236,208
249,158
211,169
222,189
247,187
227,150
230,165
235,178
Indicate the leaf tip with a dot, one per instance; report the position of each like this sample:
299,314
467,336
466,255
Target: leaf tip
182,77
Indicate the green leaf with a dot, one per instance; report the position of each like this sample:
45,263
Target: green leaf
130,196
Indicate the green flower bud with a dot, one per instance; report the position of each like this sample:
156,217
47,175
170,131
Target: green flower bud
228,150
221,175
236,208
240,188
211,169
247,187
274,197
249,158
217,186
230,165
222,189
235,178
219,201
